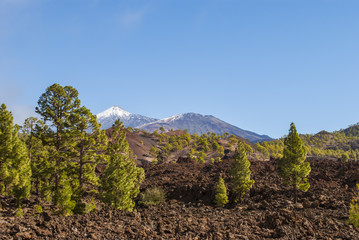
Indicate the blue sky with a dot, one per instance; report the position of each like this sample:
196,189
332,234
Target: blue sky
257,64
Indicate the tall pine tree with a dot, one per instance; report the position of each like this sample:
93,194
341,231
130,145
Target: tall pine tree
56,106
89,149
241,173
292,167
15,170
90,144
122,178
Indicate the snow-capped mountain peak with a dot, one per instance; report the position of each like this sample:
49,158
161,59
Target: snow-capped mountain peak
172,118
114,111
108,117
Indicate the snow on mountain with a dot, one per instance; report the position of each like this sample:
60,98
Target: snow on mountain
200,124
172,118
194,122
108,117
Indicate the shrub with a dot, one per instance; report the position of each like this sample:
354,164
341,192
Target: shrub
354,211
93,192
201,157
38,209
152,197
19,212
91,207
84,207
345,157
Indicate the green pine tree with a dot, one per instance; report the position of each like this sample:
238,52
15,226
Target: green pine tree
56,106
122,178
292,167
33,133
90,143
221,198
15,170
64,195
241,173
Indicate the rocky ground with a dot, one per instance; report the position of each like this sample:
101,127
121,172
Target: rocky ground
188,213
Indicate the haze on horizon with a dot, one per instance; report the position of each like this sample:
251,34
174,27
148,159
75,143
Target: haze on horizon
258,64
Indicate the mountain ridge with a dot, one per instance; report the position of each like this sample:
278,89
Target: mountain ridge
194,122
200,124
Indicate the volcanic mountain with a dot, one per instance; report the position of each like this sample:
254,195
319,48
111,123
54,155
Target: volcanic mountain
109,116
194,122
200,124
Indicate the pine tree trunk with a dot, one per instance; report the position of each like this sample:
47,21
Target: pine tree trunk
58,140
81,167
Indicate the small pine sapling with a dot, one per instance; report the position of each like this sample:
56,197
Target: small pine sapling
241,174
221,198
293,167
122,178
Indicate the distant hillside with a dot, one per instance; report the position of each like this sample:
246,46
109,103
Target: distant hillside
351,131
178,145
200,124
323,144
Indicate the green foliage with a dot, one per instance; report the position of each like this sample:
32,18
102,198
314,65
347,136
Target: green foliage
201,157
93,192
221,198
57,106
220,152
15,169
345,157
91,207
203,143
63,196
64,154
34,134
249,149
225,135
233,139
122,178
19,212
152,197
262,150
354,210
273,148
241,173
215,145
292,167
323,144
84,208
89,142
38,209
